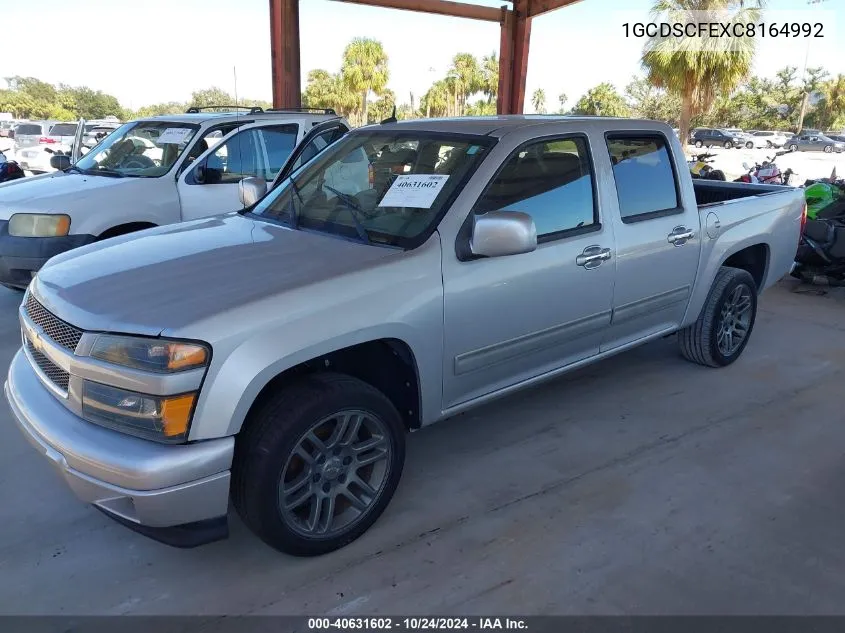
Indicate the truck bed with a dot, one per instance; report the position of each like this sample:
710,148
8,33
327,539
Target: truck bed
711,192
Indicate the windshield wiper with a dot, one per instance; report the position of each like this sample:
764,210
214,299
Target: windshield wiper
354,210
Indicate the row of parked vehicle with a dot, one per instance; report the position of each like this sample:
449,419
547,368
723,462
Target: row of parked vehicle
808,140
275,344
35,142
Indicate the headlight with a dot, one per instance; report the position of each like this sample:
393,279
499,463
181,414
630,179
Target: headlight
150,354
160,418
39,225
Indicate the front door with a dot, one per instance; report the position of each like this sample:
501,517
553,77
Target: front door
658,240
210,185
508,319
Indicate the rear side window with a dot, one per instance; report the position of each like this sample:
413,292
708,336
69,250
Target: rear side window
63,129
551,181
645,179
28,129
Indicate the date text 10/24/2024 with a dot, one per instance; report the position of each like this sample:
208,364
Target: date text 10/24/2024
417,624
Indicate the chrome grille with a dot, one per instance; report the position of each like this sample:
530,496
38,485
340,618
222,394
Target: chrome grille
56,374
60,332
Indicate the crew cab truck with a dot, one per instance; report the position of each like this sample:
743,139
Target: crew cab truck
279,355
151,172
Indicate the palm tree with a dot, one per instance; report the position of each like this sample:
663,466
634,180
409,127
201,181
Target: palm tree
562,99
437,99
490,76
365,69
467,78
833,102
538,100
697,69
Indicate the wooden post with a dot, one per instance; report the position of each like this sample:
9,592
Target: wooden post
284,52
514,45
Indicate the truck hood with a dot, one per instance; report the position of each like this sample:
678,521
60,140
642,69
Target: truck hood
56,192
170,277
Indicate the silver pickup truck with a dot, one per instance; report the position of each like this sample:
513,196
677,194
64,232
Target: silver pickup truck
277,356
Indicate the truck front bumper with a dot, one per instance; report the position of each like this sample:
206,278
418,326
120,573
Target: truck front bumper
21,257
177,495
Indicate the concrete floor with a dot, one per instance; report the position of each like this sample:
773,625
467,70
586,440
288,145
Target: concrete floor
642,485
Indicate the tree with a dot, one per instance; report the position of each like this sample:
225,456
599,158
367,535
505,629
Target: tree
213,96
383,108
435,102
327,90
365,69
538,100
831,108
697,69
562,98
156,109
602,100
467,78
35,88
89,104
490,76
812,81
649,102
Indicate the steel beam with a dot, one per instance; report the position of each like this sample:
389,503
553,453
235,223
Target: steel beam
538,7
513,57
284,52
440,7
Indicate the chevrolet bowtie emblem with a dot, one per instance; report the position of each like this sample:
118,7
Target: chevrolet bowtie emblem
35,339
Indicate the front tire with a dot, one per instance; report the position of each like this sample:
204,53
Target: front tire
749,145
793,148
317,464
828,149
724,326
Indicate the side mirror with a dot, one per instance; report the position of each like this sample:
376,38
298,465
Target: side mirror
59,161
500,233
251,190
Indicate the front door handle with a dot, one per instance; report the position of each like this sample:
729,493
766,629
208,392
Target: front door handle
680,235
592,257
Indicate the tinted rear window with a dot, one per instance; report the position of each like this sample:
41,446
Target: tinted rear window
28,129
645,180
63,129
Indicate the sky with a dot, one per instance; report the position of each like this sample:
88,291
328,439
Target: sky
162,50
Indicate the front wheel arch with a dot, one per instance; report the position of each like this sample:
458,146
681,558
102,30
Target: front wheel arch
123,229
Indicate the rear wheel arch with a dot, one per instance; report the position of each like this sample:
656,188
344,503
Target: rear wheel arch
754,259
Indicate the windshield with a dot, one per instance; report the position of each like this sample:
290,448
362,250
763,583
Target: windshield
380,187
145,149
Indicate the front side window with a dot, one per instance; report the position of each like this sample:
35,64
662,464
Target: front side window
551,181
645,179
142,149
381,187
234,160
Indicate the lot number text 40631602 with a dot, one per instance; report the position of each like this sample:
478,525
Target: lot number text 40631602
416,624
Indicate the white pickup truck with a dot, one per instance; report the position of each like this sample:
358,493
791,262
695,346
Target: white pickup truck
278,355
152,172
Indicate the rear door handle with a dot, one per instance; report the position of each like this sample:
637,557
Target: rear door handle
680,235
592,257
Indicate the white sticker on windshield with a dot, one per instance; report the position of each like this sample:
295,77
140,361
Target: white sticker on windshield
417,191
175,135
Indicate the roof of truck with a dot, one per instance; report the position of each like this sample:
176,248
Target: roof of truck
487,125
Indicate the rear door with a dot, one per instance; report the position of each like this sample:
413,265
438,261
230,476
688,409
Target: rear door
657,238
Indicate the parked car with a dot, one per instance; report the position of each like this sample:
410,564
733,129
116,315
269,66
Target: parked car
814,143
96,132
737,132
767,139
7,127
839,138
30,137
708,137
150,172
280,354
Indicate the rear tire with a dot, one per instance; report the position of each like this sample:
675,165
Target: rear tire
728,145
828,149
749,145
793,148
714,339
699,144
275,451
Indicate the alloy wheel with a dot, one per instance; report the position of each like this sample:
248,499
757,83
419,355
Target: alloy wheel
335,473
734,320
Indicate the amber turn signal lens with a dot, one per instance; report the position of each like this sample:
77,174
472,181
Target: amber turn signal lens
176,414
186,355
